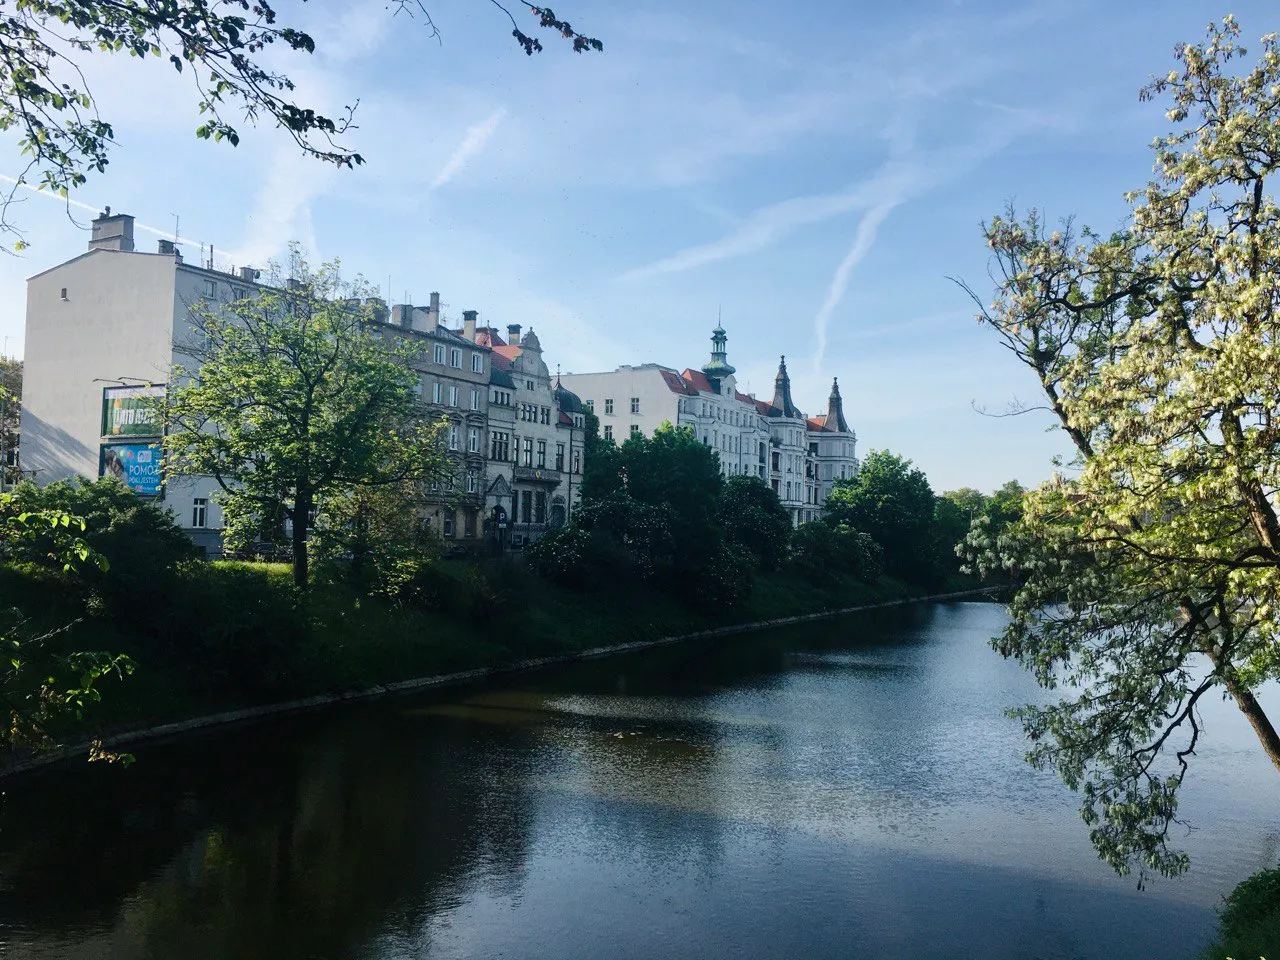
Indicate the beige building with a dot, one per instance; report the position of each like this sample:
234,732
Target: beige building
536,446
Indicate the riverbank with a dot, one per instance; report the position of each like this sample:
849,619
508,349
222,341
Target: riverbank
357,648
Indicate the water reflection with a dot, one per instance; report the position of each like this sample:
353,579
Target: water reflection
847,789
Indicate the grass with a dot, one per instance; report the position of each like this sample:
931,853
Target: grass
229,634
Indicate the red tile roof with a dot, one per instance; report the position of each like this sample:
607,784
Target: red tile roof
489,337
818,423
763,406
675,384
503,355
698,380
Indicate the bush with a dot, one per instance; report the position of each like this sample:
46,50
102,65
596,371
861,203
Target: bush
1249,926
818,549
141,542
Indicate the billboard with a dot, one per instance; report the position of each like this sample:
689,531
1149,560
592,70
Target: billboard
137,464
131,411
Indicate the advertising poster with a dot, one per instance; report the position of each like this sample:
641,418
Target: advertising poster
137,464
129,411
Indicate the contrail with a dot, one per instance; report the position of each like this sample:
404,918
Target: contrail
40,192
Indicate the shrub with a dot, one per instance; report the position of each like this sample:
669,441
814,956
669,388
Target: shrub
1249,926
818,549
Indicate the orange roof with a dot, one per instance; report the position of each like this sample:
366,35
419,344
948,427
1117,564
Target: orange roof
504,354
818,423
674,382
698,380
489,337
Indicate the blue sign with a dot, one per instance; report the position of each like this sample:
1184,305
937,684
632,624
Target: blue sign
136,464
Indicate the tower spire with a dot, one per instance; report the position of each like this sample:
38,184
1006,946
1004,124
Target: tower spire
835,409
782,392
718,367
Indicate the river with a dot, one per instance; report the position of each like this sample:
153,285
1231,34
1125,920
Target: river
846,789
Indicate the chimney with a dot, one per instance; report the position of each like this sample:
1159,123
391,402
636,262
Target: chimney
112,232
513,334
402,315
166,247
433,320
249,275
469,324
424,320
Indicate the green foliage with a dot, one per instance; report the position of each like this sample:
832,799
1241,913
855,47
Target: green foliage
1249,926
891,501
1152,575
222,49
138,544
820,550
363,534
299,399
754,519
45,685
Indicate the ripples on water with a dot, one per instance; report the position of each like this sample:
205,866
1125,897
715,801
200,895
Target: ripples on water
845,790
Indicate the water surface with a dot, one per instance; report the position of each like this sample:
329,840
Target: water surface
850,789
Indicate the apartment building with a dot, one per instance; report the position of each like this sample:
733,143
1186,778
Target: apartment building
773,440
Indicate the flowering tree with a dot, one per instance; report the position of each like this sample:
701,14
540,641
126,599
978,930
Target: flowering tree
1153,571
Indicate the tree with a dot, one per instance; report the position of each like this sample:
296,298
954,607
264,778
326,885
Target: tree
10,417
298,397
754,518
1153,573
221,47
892,501
45,687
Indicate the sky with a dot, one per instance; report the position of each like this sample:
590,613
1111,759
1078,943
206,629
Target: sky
813,174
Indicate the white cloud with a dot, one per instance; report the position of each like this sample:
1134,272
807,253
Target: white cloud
862,241
768,224
282,208
476,137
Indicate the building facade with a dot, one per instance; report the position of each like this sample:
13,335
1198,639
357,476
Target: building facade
536,446
772,440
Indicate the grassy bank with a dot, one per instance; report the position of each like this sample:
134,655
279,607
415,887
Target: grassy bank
230,635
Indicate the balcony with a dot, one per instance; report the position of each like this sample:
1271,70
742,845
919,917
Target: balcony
536,475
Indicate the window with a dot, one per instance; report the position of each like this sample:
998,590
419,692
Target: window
528,384
436,392
540,508
526,506
635,429
542,454
475,399
63,295
211,288
608,431
528,452
471,523
546,415
577,461
608,405
499,445
199,512
472,481
453,396
560,456
589,404
417,388
446,523
439,354
635,404
453,436
477,363
473,441
455,358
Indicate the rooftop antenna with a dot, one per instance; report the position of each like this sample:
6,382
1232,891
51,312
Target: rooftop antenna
175,228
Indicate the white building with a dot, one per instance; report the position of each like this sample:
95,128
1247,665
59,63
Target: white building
111,317
799,457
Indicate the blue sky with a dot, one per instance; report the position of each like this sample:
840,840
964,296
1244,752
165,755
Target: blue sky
814,172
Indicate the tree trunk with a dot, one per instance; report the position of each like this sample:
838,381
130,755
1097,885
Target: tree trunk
301,514
1257,717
